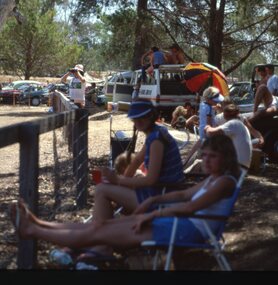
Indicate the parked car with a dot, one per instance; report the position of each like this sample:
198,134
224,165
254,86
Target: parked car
9,94
242,94
64,88
100,99
35,95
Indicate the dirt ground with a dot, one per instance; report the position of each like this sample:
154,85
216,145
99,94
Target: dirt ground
251,235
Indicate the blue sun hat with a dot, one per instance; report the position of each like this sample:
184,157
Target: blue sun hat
139,109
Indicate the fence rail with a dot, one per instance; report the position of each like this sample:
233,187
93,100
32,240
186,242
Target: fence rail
75,122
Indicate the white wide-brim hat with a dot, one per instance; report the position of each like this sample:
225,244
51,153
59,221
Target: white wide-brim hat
79,67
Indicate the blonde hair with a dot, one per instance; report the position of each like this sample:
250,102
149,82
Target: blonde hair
122,161
210,92
180,111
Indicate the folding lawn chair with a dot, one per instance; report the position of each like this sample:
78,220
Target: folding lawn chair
215,243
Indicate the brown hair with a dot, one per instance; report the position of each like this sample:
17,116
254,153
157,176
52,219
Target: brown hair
122,161
231,111
225,146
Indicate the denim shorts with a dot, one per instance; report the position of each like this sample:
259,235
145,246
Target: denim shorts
186,231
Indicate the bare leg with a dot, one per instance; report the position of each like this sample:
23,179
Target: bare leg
195,148
38,221
105,193
191,121
262,96
116,234
103,210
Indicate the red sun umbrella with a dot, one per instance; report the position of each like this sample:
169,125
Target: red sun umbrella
199,76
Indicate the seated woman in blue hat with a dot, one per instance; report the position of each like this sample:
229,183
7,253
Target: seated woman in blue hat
161,158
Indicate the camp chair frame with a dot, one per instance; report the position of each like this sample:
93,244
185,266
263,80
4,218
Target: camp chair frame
215,243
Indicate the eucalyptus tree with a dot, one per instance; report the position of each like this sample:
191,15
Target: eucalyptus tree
141,23
222,29
37,47
8,8
224,33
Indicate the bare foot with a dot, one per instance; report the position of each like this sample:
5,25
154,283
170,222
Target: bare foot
13,210
20,219
31,216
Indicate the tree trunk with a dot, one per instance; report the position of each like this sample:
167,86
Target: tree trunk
216,25
28,61
140,34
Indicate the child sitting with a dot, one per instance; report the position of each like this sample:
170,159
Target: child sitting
122,161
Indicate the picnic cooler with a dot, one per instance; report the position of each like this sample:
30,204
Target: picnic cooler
120,141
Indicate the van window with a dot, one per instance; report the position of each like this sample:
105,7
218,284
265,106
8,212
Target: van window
171,83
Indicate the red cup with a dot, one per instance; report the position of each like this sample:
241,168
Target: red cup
96,176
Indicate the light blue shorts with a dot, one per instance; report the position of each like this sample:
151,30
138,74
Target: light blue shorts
186,231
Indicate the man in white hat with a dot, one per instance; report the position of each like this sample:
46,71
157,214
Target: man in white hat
77,85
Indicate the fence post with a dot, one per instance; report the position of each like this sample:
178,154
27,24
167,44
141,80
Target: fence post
28,189
80,156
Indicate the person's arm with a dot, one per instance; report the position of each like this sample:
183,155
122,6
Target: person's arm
155,162
65,76
275,87
254,133
194,148
135,163
174,120
80,77
223,188
151,59
181,58
171,197
210,131
143,57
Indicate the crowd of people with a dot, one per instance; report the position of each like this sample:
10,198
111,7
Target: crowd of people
154,57
224,145
266,93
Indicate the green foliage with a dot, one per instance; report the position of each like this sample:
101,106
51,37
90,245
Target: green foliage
38,47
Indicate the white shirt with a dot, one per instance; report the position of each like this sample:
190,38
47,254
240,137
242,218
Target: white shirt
77,90
220,120
241,138
272,83
221,207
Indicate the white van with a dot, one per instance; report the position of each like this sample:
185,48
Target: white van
119,86
164,89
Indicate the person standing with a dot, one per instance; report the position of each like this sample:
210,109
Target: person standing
76,85
211,97
145,64
263,74
176,55
266,94
157,57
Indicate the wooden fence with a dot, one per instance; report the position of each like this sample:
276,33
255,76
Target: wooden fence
27,135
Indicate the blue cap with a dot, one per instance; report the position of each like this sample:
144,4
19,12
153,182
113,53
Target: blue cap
139,109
